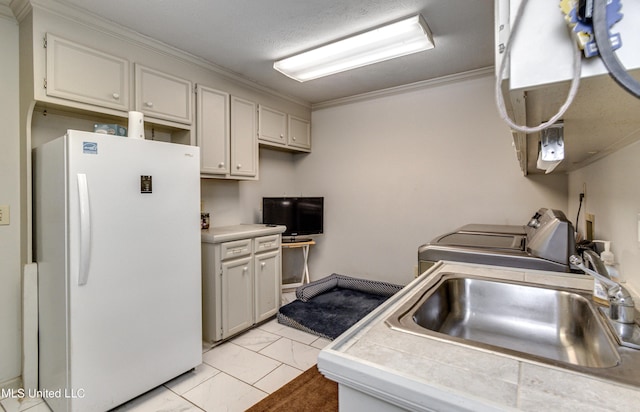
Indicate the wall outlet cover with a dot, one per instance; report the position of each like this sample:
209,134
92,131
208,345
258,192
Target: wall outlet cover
4,215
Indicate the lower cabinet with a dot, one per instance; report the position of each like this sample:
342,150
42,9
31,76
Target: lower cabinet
236,297
267,274
240,284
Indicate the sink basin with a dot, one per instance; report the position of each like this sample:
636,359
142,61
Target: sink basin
551,325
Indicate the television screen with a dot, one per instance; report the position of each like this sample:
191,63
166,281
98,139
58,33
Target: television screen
301,215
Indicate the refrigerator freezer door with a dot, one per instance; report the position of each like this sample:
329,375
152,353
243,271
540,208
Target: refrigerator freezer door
135,313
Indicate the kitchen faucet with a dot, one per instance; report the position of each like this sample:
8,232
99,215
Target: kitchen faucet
621,311
622,307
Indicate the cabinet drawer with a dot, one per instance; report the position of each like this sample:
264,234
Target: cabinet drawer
266,243
235,249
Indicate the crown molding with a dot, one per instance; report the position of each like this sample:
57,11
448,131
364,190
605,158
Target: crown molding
20,8
5,10
424,84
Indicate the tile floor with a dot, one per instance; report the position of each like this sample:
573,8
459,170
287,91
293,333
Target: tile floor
232,377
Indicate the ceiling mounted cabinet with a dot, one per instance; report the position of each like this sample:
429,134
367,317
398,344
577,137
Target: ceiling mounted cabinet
601,119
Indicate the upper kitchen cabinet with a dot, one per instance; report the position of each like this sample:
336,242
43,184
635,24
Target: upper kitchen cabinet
162,95
83,74
244,142
602,117
81,77
283,131
226,129
78,65
299,133
272,125
213,130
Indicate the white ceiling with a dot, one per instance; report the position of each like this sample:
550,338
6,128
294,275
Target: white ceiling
246,36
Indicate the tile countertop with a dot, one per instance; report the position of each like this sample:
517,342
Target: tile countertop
235,232
423,373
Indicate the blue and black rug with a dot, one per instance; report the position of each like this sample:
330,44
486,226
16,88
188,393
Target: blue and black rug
335,304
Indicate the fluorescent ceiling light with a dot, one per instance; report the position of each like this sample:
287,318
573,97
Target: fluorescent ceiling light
387,42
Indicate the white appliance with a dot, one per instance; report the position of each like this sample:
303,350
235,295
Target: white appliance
117,235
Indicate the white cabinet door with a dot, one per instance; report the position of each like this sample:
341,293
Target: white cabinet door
213,131
86,75
237,302
244,142
163,96
272,125
299,133
267,274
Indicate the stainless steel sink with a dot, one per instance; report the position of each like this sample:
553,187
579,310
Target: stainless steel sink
551,325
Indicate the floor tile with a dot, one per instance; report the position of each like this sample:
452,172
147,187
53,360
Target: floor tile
288,332
320,343
41,407
276,379
16,404
206,346
292,353
288,297
159,399
256,339
191,379
266,357
224,393
240,362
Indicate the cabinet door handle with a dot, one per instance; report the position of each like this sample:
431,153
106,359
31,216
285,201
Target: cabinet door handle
294,138
148,104
263,264
239,166
221,165
116,96
245,269
282,136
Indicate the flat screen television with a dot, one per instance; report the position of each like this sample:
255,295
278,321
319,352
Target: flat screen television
303,216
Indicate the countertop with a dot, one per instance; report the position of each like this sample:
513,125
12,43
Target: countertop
425,373
235,232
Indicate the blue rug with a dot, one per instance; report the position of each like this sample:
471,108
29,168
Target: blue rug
332,312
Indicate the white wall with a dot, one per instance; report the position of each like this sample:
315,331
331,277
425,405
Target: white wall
398,170
613,196
10,272
232,202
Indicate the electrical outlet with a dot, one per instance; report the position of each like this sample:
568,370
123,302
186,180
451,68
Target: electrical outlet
590,223
4,215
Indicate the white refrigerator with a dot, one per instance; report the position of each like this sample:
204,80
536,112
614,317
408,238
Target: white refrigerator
117,242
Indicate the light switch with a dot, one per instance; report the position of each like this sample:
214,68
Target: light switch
4,215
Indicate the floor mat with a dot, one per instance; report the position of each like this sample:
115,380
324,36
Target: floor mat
330,313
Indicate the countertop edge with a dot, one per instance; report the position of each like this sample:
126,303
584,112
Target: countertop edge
236,232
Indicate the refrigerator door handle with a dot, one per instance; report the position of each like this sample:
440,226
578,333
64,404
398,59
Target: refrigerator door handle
85,229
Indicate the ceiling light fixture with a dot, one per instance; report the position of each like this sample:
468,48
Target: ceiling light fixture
387,42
